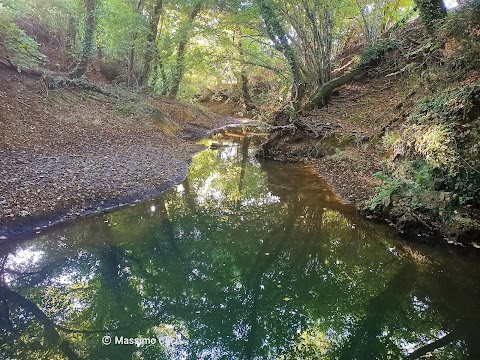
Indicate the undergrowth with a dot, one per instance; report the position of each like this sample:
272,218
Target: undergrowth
434,172
19,48
464,45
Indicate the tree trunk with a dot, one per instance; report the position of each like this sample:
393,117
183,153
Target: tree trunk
151,52
71,39
131,58
321,27
179,69
321,96
131,54
364,340
88,39
243,168
161,69
184,36
437,344
247,100
51,335
277,34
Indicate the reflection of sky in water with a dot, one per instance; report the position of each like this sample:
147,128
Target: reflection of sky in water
28,256
174,339
22,260
208,191
268,199
229,153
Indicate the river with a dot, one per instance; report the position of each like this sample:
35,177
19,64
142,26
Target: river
245,259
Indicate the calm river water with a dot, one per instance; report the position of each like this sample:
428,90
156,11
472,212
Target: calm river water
243,260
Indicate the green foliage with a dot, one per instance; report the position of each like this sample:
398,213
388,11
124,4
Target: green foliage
467,185
437,130
438,174
9,4
463,27
383,197
317,30
423,173
449,106
378,15
20,49
338,154
375,52
413,190
436,143
390,139
432,12
121,28
53,15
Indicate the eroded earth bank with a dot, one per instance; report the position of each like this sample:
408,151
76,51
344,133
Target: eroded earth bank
70,152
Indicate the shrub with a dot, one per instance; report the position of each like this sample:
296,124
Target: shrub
383,197
376,52
20,49
463,27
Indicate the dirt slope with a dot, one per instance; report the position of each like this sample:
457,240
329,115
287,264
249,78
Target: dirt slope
362,111
70,152
413,119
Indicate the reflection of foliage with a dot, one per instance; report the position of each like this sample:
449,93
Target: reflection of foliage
312,344
217,175
283,275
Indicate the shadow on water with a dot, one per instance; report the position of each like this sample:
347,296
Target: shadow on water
243,260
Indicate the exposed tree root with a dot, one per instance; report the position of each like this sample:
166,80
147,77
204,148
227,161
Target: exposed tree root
57,81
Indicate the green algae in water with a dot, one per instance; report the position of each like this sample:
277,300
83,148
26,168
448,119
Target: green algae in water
243,260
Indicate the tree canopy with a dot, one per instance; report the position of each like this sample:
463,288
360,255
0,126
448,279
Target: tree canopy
181,48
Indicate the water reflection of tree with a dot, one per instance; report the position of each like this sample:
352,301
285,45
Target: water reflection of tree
367,340
237,263
13,303
243,167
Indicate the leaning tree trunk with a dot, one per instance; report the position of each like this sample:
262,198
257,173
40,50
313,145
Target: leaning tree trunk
88,39
51,336
431,347
321,96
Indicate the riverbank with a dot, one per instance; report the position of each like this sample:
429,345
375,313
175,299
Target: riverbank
399,141
72,152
